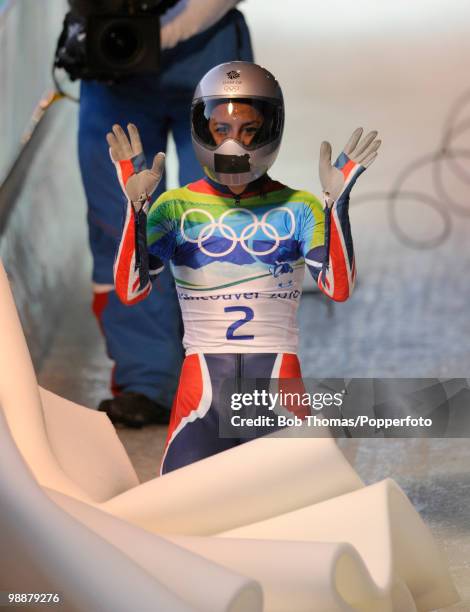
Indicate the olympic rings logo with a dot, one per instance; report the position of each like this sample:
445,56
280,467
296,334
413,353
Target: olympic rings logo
248,231
231,88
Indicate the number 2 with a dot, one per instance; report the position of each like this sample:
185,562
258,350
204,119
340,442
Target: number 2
249,316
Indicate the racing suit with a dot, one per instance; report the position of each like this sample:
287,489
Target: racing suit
238,263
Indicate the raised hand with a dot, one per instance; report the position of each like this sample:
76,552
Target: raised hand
127,153
357,155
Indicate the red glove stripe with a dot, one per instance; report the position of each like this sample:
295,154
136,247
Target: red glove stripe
126,169
348,168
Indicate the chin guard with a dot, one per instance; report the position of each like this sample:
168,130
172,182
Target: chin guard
232,164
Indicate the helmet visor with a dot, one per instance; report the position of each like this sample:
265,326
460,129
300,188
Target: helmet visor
253,122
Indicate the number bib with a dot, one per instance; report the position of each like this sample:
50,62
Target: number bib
249,322
238,266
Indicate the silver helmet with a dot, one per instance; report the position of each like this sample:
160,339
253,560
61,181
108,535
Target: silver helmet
237,119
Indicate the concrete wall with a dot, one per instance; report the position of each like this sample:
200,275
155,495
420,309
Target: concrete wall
43,244
28,33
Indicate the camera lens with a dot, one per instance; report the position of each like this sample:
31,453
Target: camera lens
120,43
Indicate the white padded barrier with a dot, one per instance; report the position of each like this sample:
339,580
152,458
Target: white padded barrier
276,524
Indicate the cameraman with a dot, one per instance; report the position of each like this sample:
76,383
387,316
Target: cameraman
195,36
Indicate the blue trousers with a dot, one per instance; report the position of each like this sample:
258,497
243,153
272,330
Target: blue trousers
144,340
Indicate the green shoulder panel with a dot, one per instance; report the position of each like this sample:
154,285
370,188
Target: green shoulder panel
162,201
313,218
160,217
311,201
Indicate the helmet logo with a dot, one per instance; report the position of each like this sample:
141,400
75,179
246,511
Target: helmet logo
233,83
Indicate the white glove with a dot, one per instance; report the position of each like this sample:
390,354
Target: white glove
137,182
357,155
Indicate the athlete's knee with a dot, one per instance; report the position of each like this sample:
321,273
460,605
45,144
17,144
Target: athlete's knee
173,461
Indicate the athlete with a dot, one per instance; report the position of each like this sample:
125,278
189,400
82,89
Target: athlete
237,243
